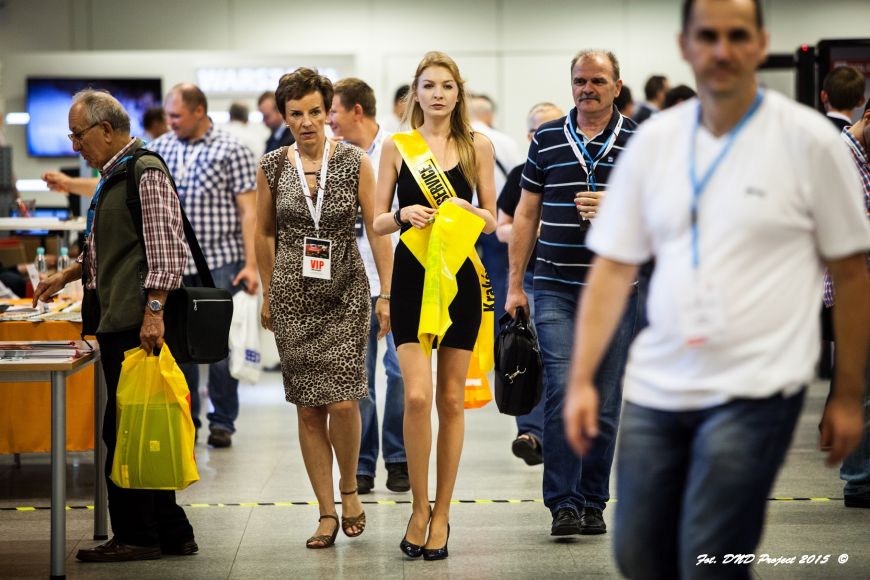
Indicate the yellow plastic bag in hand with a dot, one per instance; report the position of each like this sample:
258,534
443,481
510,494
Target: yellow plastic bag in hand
155,442
441,249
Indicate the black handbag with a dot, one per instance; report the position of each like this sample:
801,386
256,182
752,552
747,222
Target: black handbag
519,371
196,319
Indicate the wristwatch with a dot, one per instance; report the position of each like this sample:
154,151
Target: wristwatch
155,305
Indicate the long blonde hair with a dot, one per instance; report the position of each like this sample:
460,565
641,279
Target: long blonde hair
460,125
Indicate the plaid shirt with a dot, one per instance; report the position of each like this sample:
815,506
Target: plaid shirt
209,173
165,248
862,162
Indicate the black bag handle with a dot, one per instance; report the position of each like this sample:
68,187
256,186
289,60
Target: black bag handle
134,204
520,321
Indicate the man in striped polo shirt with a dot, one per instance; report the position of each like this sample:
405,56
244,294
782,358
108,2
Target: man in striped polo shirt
564,180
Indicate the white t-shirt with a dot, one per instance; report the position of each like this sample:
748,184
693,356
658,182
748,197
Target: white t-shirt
785,197
362,242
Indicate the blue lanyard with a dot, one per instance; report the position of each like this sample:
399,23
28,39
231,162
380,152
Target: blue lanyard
591,162
698,185
96,199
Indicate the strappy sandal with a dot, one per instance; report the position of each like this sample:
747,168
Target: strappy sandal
353,521
323,541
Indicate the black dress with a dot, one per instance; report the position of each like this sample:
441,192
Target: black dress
407,286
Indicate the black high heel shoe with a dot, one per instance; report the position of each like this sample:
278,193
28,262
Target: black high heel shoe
437,553
409,549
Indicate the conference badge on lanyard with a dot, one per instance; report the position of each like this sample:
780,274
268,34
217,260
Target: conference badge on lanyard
317,259
316,251
702,316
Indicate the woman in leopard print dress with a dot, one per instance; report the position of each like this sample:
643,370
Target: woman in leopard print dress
321,325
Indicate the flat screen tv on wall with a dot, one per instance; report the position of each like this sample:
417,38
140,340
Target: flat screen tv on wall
49,99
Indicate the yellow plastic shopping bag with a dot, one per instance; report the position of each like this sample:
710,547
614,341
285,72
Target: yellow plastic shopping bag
155,442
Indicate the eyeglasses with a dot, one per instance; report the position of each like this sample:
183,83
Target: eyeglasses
77,137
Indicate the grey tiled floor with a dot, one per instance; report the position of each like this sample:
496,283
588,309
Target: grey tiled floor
489,540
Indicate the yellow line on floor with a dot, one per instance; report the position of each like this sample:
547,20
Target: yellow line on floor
387,502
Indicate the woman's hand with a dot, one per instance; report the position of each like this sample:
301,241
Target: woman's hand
382,311
461,203
420,216
265,314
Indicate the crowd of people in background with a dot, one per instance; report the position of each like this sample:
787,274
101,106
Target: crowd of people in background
671,251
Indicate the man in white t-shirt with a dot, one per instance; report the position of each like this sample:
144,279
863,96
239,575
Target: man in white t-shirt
352,115
715,383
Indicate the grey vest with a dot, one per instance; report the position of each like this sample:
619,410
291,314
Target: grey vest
121,262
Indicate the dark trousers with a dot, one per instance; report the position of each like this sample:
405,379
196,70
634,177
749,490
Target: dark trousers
140,517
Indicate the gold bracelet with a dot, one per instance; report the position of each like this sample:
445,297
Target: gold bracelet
384,297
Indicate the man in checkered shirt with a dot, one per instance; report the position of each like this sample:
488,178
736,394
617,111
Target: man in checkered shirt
855,470
216,179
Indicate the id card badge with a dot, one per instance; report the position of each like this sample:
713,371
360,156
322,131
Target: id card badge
317,258
702,316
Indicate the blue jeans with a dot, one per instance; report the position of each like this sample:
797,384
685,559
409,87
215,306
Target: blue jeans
533,423
394,407
223,389
696,482
571,481
856,467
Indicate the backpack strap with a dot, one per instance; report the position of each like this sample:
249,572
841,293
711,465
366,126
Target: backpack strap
134,205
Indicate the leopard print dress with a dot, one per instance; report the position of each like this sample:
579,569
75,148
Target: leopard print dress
321,326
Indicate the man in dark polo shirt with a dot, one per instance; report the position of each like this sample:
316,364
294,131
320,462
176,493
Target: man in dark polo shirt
564,179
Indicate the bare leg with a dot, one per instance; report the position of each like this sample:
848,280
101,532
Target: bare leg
317,455
450,401
345,427
417,376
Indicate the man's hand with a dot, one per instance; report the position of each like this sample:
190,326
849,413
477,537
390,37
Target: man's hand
516,299
151,333
580,413
588,202
57,181
842,427
48,287
382,311
248,275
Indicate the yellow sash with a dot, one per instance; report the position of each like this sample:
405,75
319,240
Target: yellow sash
442,249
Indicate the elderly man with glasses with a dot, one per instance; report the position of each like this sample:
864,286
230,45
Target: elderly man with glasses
146,523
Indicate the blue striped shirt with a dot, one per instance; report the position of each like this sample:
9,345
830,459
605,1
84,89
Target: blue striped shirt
552,169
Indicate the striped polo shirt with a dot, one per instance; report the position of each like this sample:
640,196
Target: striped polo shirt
554,170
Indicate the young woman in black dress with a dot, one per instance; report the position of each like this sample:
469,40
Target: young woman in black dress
437,109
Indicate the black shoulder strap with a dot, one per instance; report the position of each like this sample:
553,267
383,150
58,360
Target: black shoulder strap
501,167
282,161
134,204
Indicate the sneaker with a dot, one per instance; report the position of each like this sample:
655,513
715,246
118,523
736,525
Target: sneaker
592,522
528,448
397,477
364,484
566,522
219,437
